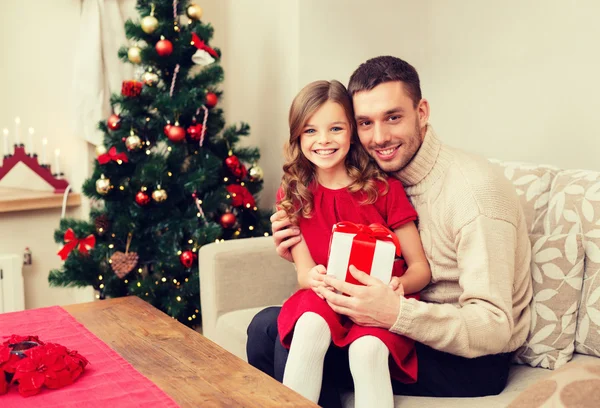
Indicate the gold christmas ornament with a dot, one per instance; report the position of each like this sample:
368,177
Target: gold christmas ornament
103,185
135,54
133,142
150,78
194,12
159,195
100,150
149,24
256,173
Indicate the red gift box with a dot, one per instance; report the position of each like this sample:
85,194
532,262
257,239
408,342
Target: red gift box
371,249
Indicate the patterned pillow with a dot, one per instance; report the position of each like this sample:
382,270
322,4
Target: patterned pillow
557,271
576,385
532,184
574,207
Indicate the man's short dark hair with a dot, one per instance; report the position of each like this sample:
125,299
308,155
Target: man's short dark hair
383,69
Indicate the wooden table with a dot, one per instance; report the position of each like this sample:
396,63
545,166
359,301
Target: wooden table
191,369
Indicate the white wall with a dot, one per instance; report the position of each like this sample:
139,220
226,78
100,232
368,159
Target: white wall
514,80
259,43
37,40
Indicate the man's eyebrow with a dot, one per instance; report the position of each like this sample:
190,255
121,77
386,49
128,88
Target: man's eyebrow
394,110
386,113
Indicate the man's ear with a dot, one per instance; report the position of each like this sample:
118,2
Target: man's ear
423,112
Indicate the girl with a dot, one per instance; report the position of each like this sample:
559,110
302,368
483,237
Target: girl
328,178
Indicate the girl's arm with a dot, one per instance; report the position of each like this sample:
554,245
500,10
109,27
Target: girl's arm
418,274
304,263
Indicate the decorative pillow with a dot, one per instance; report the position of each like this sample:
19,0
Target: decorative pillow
532,184
575,207
576,385
557,272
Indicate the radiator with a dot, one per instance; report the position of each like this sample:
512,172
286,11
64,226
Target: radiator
12,295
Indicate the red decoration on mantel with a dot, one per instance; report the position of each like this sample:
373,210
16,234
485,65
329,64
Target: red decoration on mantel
60,185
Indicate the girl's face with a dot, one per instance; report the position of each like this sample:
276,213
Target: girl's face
325,139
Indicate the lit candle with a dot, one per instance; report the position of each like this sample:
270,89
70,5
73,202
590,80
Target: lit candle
30,141
6,152
17,126
44,144
56,154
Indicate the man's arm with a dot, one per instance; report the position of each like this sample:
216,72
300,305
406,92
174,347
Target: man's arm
481,324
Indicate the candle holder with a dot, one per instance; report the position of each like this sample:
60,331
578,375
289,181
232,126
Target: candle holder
42,170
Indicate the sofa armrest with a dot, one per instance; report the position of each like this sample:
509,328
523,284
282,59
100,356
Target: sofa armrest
242,274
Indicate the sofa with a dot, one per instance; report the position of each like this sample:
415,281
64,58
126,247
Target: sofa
238,278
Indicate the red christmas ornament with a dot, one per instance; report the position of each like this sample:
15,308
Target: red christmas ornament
187,258
240,196
166,129
164,48
236,167
195,132
131,89
228,220
142,198
176,133
211,100
114,122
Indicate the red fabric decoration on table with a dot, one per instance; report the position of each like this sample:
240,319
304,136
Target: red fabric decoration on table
112,155
201,45
240,196
236,167
71,242
132,88
49,364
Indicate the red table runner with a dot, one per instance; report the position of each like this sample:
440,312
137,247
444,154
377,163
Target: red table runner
108,381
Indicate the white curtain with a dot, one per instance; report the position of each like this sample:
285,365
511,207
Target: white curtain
98,71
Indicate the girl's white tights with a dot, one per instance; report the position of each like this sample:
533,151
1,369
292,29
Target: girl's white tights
371,373
304,368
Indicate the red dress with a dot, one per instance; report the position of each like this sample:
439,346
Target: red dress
330,207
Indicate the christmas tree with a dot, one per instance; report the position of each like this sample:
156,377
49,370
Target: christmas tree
170,176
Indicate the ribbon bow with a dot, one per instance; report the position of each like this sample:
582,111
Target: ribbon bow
201,45
71,242
371,233
112,155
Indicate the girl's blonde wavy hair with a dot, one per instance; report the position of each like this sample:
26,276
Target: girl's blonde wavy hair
299,172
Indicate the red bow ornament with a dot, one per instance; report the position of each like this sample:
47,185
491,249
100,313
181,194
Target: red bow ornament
71,242
371,249
112,155
201,45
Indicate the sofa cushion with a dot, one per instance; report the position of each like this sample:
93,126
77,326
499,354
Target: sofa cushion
519,379
576,385
231,329
557,271
532,183
575,207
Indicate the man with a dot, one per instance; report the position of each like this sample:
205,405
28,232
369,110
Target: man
475,312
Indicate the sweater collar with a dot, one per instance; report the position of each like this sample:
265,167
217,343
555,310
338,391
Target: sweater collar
428,164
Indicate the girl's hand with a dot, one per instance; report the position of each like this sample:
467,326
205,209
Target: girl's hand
316,277
396,286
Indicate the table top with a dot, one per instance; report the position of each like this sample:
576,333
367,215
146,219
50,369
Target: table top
191,369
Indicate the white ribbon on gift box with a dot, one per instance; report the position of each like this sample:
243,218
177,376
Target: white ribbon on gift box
339,256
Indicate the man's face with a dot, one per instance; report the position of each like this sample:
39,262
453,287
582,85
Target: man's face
389,126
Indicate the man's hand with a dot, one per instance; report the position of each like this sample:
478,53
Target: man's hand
285,234
316,279
375,305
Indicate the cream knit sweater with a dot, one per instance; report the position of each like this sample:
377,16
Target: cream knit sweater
475,237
